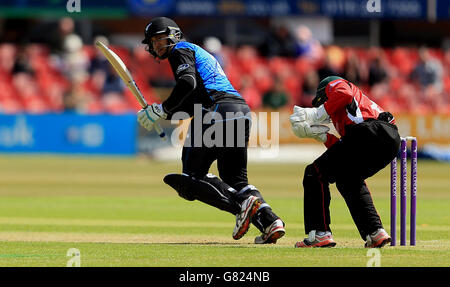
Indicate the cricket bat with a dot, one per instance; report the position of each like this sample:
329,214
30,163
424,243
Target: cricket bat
125,75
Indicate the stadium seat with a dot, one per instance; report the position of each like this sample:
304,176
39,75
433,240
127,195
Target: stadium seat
251,74
404,60
447,84
263,80
302,66
36,105
293,86
234,75
279,66
252,97
94,106
10,106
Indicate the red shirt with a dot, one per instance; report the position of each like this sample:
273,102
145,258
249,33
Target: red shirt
347,105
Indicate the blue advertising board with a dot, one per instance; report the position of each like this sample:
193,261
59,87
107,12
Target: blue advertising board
60,8
385,9
442,9
69,133
395,9
155,7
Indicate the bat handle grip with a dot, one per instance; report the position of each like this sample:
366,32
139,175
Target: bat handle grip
160,131
158,128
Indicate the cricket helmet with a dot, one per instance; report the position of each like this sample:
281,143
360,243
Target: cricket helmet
162,25
321,95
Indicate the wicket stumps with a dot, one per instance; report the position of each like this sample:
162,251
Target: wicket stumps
403,193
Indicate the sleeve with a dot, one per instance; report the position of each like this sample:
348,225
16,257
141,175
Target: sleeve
182,62
331,140
339,95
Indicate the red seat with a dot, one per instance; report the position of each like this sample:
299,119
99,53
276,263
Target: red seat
447,84
263,80
293,86
404,60
302,66
94,106
36,105
252,97
7,90
234,76
279,66
122,52
115,104
10,106
90,51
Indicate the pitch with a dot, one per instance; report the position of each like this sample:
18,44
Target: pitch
118,212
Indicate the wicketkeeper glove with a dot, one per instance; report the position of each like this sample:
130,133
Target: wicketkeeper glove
313,116
302,129
148,116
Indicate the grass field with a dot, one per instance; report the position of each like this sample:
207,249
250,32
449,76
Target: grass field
118,212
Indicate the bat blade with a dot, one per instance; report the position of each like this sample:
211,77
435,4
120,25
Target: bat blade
123,72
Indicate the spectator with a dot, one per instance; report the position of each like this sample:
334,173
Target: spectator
100,69
214,47
57,39
309,87
280,43
75,61
428,71
22,63
307,46
7,58
328,68
352,69
377,71
99,61
276,97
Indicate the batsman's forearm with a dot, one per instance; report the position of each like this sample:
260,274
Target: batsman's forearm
182,90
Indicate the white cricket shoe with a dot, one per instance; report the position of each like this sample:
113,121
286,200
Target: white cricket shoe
272,233
317,239
377,239
248,209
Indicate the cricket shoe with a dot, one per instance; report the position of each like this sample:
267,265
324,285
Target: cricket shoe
272,233
377,239
248,208
316,240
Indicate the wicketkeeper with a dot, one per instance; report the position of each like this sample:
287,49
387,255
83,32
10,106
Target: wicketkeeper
368,142
200,81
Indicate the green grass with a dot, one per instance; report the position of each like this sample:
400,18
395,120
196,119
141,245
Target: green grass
118,212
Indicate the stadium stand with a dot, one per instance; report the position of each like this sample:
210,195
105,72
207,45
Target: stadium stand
33,81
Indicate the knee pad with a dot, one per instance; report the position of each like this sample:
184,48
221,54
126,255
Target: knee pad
208,189
182,183
218,183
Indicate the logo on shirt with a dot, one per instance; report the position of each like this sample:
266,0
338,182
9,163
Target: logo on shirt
182,67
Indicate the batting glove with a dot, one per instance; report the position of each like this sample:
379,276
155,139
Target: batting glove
148,116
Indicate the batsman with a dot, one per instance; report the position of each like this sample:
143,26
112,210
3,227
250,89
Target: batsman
368,142
201,82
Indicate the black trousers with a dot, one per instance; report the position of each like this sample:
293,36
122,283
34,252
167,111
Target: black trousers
221,135
225,132
365,149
